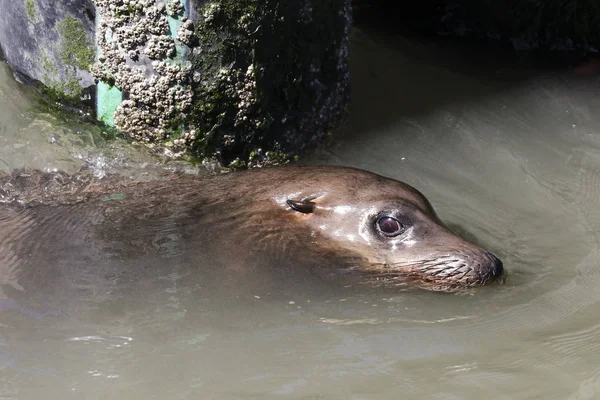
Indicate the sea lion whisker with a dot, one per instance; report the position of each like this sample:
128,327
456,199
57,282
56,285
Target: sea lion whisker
466,272
409,264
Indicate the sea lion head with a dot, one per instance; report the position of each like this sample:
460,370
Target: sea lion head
390,227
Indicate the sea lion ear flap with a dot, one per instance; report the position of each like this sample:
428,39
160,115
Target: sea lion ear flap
304,206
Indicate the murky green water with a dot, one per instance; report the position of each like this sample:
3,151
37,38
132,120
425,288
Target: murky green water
511,158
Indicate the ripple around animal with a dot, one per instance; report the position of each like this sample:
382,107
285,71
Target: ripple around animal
588,185
14,227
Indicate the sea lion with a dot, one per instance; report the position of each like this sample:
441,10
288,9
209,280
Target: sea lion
340,224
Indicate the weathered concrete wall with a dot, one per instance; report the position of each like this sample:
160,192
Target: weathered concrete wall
50,41
143,80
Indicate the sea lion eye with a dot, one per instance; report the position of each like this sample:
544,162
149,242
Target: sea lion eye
389,226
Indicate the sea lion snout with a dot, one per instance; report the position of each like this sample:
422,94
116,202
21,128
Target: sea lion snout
447,267
496,266
442,259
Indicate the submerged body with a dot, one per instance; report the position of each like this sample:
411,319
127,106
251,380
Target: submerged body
337,224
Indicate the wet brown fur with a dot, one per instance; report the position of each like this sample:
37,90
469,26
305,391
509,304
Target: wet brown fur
185,215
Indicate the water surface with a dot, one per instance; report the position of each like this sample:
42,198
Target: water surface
508,157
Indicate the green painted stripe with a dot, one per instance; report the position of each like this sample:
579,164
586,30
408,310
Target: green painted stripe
108,97
174,25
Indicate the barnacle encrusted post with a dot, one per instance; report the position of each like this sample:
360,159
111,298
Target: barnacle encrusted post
263,81
143,65
270,77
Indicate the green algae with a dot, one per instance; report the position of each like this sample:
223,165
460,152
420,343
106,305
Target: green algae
77,53
30,9
76,48
47,66
114,197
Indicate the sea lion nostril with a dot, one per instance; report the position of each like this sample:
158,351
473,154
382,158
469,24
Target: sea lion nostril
490,256
498,267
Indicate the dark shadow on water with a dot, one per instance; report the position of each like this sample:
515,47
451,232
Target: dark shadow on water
398,74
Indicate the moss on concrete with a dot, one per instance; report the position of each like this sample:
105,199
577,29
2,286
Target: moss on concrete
76,52
31,9
49,68
271,78
76,48
56,91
